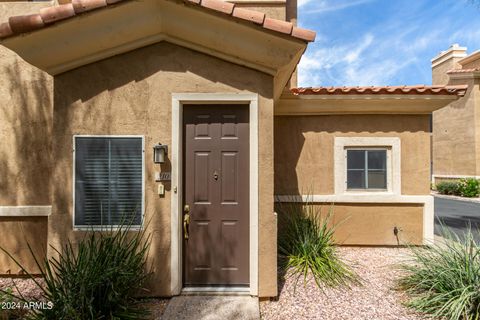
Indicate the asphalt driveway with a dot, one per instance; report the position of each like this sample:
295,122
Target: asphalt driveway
457,216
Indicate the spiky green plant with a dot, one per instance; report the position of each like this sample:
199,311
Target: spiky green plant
94,279
306,246
443,279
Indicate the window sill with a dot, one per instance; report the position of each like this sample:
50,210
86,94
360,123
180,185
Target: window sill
107,228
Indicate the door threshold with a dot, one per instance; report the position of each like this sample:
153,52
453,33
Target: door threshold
223,291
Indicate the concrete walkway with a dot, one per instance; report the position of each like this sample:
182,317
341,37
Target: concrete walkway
212,308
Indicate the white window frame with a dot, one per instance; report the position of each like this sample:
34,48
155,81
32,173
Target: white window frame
108,227
390,144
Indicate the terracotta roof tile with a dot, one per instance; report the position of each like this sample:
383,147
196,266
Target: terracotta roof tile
218,5
53,14
414,90
453,71
81,6
278,25
250,15
21,24
5,30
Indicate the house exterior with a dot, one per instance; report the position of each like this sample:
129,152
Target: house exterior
183,116
456,144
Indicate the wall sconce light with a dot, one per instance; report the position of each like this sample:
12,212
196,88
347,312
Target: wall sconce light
160,152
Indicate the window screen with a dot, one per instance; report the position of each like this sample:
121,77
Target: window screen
366,169
108,181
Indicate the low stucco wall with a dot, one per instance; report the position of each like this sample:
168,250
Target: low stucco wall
373,224
363,224
17,234
131,94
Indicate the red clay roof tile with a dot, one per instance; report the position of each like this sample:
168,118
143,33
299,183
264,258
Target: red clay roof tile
250,15
305,34
414,90
53,14
218,5
5,30
81,6
278,25
22,24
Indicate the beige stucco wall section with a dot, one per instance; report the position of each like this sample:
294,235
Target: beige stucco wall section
304,160
371,224
304,165
25,162
16,234
456,134
25,123
472,65
131,94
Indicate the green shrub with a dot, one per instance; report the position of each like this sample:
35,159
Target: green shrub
443,280
465,187
469,188
96,279
306,246
449,188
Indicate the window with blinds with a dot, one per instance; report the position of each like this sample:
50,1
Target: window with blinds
108,181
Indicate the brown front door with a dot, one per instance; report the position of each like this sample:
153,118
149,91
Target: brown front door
216,188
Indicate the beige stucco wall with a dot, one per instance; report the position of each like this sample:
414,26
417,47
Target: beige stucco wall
17,233
304,153
367,224
456,130
439,71
304,165
25,162
131,94
472,64
370,224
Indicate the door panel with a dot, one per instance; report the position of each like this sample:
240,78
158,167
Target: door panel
216,187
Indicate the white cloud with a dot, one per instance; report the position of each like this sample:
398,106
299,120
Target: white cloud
321,6
303,2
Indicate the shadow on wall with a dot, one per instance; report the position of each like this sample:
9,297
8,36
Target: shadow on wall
25,157
25,130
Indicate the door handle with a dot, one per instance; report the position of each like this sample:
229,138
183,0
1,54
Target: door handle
215,175
186,221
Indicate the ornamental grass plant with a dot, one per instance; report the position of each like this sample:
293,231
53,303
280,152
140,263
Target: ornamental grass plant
306,246
97,278
443,280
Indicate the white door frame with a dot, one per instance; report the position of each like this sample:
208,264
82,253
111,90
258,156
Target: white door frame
178,100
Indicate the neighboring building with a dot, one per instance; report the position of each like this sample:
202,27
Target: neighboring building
210,80
456,128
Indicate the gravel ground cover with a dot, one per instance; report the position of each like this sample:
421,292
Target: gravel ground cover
374,299
25,285
32,293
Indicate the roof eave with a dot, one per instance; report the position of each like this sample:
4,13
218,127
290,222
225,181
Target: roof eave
290,104
129,25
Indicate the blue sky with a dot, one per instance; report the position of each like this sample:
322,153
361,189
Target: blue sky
382,42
